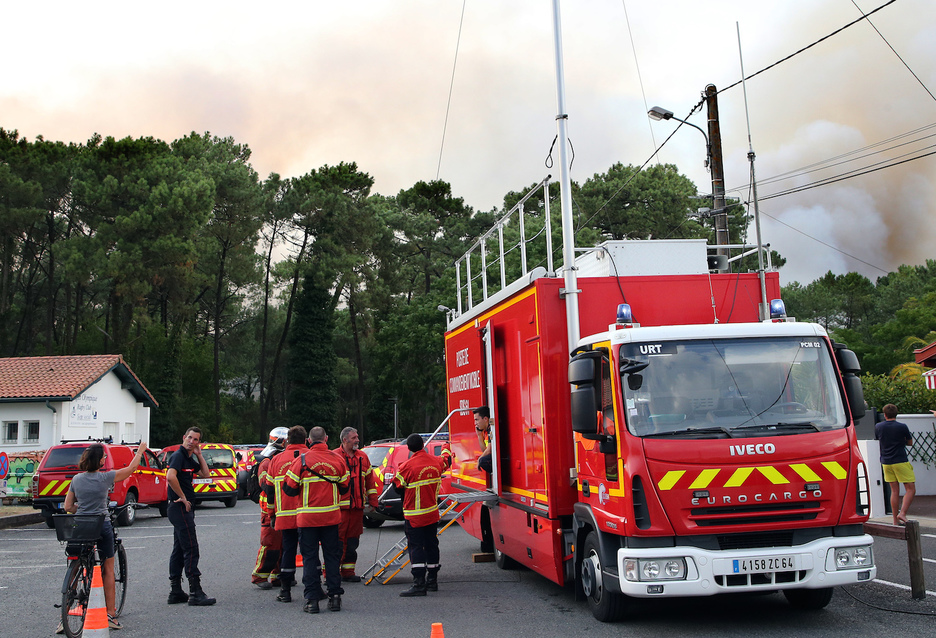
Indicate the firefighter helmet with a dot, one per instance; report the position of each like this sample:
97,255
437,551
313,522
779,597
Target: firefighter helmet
277,442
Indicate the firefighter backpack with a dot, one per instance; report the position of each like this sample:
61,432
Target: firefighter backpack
253,480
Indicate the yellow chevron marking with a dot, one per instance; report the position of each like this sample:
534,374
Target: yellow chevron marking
805,472
670,479
48,487
740,475
773,475
705,477
835,469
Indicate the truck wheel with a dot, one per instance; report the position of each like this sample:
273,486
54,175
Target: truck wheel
372,523
606,605
504,561
808,598
231,502
164,509
127,516
48,521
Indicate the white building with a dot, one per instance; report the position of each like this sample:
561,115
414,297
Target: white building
44,400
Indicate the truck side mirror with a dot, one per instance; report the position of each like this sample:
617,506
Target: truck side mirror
586,398
848,363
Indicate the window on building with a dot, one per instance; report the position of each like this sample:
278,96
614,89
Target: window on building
11,431
32,432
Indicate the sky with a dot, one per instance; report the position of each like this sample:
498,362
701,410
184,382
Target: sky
305,84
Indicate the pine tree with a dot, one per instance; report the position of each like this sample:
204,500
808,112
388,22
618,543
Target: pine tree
311,368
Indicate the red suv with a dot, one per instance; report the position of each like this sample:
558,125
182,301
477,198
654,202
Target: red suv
222,485
60,464
385,457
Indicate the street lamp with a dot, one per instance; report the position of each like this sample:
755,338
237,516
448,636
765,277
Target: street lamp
713,162
659,113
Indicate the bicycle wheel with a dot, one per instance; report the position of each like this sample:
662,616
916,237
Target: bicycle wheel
120,577
75,593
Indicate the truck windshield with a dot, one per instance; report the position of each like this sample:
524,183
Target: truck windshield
730,388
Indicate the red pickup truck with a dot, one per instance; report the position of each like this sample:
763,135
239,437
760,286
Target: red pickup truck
60,464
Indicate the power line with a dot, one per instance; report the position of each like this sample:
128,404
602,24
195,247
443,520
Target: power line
809,46
824,164
844,176
826,244
895,53
448,104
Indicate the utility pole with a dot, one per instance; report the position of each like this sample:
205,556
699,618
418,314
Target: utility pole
718,171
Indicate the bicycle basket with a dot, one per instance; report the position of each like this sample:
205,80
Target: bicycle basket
78,528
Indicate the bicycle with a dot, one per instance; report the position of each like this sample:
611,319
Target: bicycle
80,534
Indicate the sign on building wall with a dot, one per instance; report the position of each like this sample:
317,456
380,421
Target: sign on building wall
84,410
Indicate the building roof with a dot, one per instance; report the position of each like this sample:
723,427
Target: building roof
64,378
926,356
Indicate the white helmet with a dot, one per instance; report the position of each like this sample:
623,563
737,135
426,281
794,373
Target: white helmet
277,442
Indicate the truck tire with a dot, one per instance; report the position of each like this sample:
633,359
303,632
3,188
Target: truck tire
605,605
164,509
48,521
232,501
808,598
127,516
504,561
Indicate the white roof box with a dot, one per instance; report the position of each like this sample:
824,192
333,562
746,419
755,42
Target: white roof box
632,257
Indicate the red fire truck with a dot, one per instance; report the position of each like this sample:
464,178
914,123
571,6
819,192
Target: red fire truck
681,447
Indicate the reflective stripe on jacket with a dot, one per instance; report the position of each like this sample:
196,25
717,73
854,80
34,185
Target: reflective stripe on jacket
363,485
318,482
284,506
421,476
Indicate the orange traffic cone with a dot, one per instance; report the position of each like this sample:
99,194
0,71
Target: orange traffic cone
437,631
298,561
95,624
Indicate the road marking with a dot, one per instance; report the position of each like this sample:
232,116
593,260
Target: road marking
899,586
928,535
929,560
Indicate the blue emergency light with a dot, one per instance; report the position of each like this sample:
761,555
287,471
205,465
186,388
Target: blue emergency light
777,309
624,314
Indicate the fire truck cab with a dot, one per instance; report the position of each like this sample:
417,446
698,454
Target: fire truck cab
682,447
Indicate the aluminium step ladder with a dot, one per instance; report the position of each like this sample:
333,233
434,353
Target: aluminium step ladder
396,558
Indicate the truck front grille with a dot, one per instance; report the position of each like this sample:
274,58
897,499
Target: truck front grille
752,514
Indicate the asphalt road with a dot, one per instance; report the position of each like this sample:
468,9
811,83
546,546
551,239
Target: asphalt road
474,599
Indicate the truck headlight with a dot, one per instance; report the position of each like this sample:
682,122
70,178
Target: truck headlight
852,558
655,569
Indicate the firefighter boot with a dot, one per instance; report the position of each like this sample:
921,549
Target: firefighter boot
198,598
311,606
418,588
432,580
285,596
334,603
176,593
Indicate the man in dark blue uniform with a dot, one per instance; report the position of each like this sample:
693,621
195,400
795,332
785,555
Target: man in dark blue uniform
184,465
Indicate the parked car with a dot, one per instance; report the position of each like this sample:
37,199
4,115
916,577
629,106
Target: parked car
385,456
60,464
244,455
222,486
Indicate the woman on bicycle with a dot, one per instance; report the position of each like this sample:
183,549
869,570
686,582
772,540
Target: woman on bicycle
89,493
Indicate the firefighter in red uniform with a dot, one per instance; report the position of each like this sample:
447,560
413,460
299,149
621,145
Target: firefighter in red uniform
266,569
418,479
284,507
319,478
362,492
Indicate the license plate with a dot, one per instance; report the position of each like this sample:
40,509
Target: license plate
201,481
763,564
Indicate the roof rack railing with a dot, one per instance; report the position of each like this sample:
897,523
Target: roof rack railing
109,439
478,256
